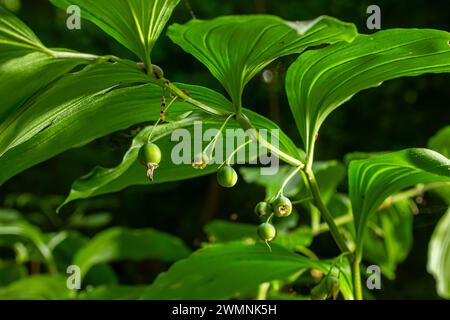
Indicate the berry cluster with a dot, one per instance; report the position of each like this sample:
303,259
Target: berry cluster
280,206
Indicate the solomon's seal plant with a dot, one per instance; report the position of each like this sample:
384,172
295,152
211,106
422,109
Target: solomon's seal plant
333,62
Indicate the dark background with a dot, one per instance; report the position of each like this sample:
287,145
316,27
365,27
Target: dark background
399,114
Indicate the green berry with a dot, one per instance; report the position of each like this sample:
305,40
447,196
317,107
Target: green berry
200,161
150,154
227,177
263,209
266,231
282,206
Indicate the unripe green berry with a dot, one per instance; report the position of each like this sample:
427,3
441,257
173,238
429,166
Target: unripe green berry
200,161
150,153
150,156
266,231
263,209
282,206
227,177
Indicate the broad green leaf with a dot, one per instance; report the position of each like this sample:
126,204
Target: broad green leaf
226,231
24,230
26,65
113,292
23,76
374,179
136,24
320,81
67,95
439,256
65,251
236,48
126,244
62,117
15,35
389,237
130,171
440,142
37,287
227,270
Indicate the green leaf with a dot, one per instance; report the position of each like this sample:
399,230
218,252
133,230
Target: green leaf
131,172
228,270
320,81
37,287
374,179
226,231
236,48
136,24
61,117
440,142
126,244
112,292
26,65
389,236
65,251
15,35
31,233
439,255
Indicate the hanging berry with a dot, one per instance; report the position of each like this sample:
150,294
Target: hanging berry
150,156
266,231
263,209
227,176
282,206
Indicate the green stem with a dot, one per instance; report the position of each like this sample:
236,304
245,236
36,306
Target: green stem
286,181
314,187
227,161
245,123
356,279
212,143
177,91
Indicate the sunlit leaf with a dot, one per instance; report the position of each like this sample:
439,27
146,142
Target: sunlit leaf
374,179
440,142
130,171
26,65
236,48
227,270
322,80
136,24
